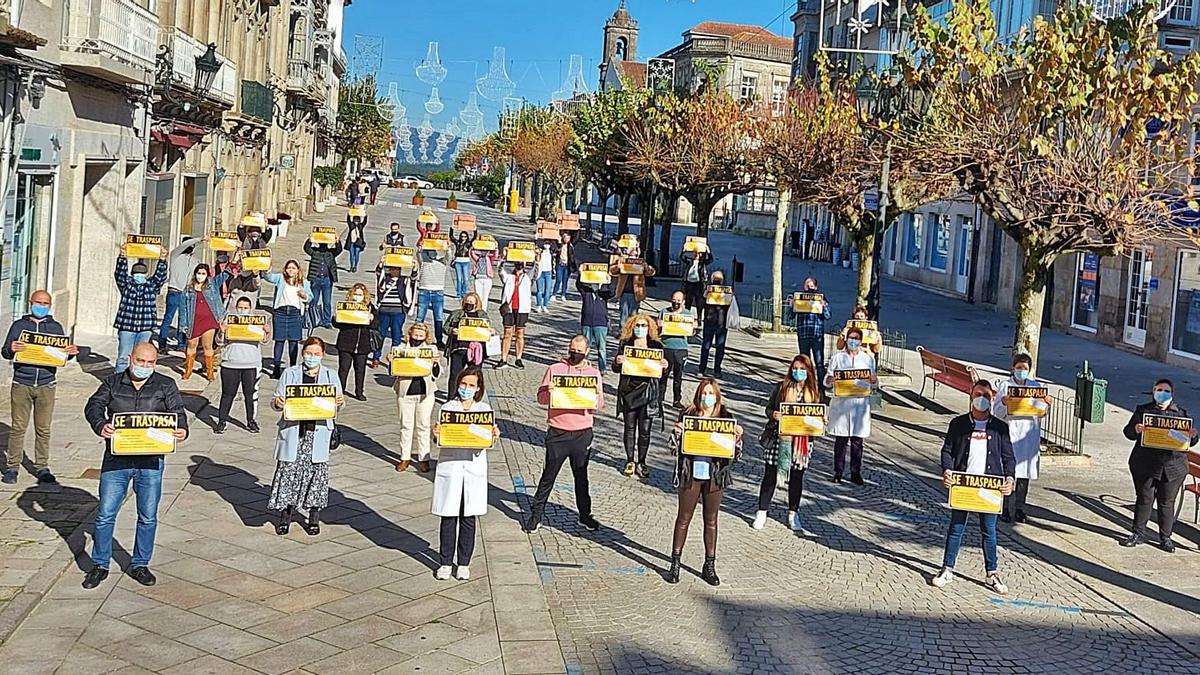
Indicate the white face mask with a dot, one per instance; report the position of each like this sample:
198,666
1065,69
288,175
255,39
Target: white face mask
981,403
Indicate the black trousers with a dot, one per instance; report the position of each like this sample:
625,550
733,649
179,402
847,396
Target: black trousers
561,446
693,294
766,491
675,360
1155,488
231,378
457,532
839,455
458,362
1015,502
637,433
359,361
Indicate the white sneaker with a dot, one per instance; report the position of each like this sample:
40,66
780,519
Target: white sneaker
760,520
462,573
944,577
993,582
794,521
443,573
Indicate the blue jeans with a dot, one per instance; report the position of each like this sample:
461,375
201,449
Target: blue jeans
629,306
713,336
355,255
391,324
987,528
814,348
322,288
436,300
545,282
126,339
174,301
147,488
462,278
562,274
597,339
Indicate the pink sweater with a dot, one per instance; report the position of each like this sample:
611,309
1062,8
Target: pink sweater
569,420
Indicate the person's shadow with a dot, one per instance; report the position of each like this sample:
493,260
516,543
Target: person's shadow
65,510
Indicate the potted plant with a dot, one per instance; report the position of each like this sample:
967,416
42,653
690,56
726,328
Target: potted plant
282,221
418,198
452,202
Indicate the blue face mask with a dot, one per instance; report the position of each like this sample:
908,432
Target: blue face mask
1021,374
708,400
853,344
139,278
799,374
140,372
39,311
1163,397
467,393
640,331
311,361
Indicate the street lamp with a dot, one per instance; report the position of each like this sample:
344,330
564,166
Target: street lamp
207,67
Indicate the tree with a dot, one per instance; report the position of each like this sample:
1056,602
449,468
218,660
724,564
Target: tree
364,133
541,148
1048,132
600,143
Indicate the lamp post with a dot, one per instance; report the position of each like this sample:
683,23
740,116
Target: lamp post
207,67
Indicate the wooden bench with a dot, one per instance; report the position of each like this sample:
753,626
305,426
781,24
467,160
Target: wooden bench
1193,460
947,371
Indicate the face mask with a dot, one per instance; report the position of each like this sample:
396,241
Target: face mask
1021,374
799,374
139,278
201,278
416,341
853,344
241,312
640,331
311,362
467,393
575,358
1162,397
468,308
356,298
140,372
676,305
718,281
708,400
545,247
39,311
981,403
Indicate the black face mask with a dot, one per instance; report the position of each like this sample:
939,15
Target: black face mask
416,342
575,358
676,305
469,309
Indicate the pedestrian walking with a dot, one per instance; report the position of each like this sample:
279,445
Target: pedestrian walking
810,330
545,276
137,389
415,397
593,318
322,275
676,348
431,290
462,263
301,479
786,457
253,238
241,363
565,265
717,319
631,288
1157,474
395,291
459,352
292,294
200,315
694,266
460,485
1026,435
181,261
568,437
376,184
33,390
137,311
701,479
516,297
356,239
637,397
850,416
356,342
976,443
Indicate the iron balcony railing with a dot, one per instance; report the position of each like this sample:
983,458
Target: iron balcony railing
258,101
118,29
184,50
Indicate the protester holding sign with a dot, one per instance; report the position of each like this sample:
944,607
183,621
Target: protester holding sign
460,485
785,455
137,389
637,392
545,276
977,444
393,237
1021,401
631,273
464,349
431,289
395,290
810,329
416,367
241,362
484,265
720,312
427,224
200,315
137,313
292,295
357,321
33,390
572,391
322,275
302,447
1162,432
850,408
694,265
593,316
515,304
858,319
676,324
702,476
564,265
462,262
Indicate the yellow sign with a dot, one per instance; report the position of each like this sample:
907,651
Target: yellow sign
1167,433
719,295
464,222
574,392
436,241
640,362
469,430
568,221
632,266
358,212
323,235
474,330
484,242
695,244
870,330
547,230
678,325
355,313
255,221
143,246
427,218
143,433
521,251
43,350
594,273
976,492
808,303
258,260
1027,401
709,437
304,402
398,256
627,241
224,241
412,361
852,383
802,419
246,328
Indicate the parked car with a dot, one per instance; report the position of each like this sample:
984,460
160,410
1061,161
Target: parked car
415,183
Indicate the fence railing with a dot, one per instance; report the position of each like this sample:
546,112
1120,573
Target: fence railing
119,29
892,350
762,313
1061,425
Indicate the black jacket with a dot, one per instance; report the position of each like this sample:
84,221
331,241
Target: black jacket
355,338
23,373
722,469
957,446
323,256
594,312
117,394
688,257
1152,461
627,384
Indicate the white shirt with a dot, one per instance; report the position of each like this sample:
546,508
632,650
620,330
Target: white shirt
977,456
290,296
545,260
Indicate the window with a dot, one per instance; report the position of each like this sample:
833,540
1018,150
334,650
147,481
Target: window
1178,44
1087,292
940,251
1185,325
764,200
912,249
1182,11
749,86
778,97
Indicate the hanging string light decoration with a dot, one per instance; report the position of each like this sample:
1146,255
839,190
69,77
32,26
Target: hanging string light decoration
471,115
496,85
434,105
424,131
431,71
574,84
445,138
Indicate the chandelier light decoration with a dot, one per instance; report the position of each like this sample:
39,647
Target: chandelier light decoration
424,131
434,104
431,71
496,85
574,84
471,115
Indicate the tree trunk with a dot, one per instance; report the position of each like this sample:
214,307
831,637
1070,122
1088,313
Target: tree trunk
588,194
664,234
864,243
781,226
704,209
623,213
646,232
535,193
1031,303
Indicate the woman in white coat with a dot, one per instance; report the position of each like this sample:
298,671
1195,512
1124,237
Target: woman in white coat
460,486
414,403
1026,435
850,416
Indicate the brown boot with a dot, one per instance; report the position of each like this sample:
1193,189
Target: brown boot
189,363
423,466
210,367
403,465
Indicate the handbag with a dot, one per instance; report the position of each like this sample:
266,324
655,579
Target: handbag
335,438
376,341
769,438
639,396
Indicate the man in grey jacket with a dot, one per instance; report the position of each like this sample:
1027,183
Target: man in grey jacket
431,288
182,263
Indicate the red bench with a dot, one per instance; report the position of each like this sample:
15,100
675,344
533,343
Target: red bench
947,371
1193,460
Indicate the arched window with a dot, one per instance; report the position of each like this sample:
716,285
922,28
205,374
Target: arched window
622,48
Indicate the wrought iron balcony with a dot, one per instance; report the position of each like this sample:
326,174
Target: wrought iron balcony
300,75
184,50
100,34
258,101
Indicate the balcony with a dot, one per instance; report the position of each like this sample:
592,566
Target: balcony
300,76
111,39
724,46
12,36
258,102
184,50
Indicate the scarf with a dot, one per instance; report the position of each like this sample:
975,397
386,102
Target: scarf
475,353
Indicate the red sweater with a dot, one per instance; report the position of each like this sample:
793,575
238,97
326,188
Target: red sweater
569,420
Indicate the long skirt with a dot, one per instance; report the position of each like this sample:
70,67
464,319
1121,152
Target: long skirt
300,484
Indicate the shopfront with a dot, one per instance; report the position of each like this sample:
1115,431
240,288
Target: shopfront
1085,314
1185,312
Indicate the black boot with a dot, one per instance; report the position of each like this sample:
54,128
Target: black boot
709,573
285,521
313,526
276,372
673,573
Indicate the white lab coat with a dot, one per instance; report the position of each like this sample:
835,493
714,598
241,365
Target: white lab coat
460,486
1025,432
849,416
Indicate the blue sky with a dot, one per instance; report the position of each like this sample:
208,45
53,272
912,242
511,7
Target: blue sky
539,36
